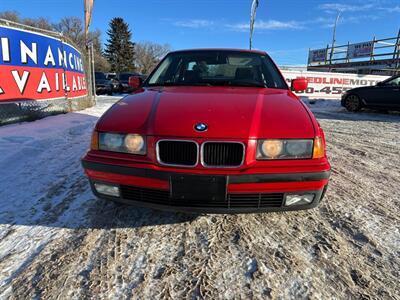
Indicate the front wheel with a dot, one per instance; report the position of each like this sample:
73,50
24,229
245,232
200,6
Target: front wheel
352,103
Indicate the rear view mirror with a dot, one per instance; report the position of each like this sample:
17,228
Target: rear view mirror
135,82
299,84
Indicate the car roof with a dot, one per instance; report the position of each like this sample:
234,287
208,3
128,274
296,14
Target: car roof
221,49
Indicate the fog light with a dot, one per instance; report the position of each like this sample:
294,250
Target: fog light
107,189
294,199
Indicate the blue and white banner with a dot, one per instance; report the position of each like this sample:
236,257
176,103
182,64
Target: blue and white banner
35,66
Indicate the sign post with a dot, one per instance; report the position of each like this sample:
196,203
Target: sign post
334,38
88,8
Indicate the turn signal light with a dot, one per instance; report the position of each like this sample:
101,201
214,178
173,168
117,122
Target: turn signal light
94,145
319,148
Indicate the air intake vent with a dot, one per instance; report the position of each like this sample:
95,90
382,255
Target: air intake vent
155,196
262,200
223,154
177,153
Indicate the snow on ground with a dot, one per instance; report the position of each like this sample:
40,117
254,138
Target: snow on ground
58,241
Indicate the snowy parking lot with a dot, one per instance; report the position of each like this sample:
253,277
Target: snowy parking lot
58,241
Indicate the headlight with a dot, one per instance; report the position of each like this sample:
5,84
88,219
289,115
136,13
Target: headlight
285,149
134,143
127,143
271,148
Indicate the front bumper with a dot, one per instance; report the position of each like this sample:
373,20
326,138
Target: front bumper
244,193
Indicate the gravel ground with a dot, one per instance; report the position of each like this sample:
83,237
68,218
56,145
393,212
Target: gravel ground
58,242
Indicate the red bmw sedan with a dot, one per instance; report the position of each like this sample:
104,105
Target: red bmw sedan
214,131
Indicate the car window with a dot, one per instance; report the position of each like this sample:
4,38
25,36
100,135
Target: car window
125,76
395,82
217,68
99,76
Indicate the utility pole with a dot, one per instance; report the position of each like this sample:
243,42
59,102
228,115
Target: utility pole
254,6
87,10
334,38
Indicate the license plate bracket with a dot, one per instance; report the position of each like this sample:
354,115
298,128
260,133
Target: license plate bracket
198,187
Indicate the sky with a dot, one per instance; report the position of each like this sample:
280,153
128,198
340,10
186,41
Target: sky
286,29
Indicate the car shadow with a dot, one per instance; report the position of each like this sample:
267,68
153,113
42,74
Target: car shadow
106,215
92,214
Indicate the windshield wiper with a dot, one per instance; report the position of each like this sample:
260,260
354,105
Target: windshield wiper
250,84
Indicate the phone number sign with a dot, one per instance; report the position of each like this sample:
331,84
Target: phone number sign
330,85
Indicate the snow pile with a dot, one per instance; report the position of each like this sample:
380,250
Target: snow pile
41,182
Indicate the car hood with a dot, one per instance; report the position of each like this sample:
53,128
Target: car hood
360,88
229,112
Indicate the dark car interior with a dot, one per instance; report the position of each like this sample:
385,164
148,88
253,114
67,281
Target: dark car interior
221,69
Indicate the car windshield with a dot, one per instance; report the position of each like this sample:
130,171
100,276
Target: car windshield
217,68
393,81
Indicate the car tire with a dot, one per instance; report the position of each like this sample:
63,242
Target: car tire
353,103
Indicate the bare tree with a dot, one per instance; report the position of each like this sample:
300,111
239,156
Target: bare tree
10,16
41,23
100,62
72,28
148,55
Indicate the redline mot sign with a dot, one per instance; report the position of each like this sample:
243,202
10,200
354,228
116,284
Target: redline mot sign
330,85
34,66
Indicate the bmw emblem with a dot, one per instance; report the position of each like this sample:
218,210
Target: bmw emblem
201,127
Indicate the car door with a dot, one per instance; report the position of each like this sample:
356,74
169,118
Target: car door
387,93
370,95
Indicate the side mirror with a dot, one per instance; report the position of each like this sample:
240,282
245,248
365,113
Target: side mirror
380,83
135,82
299,84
